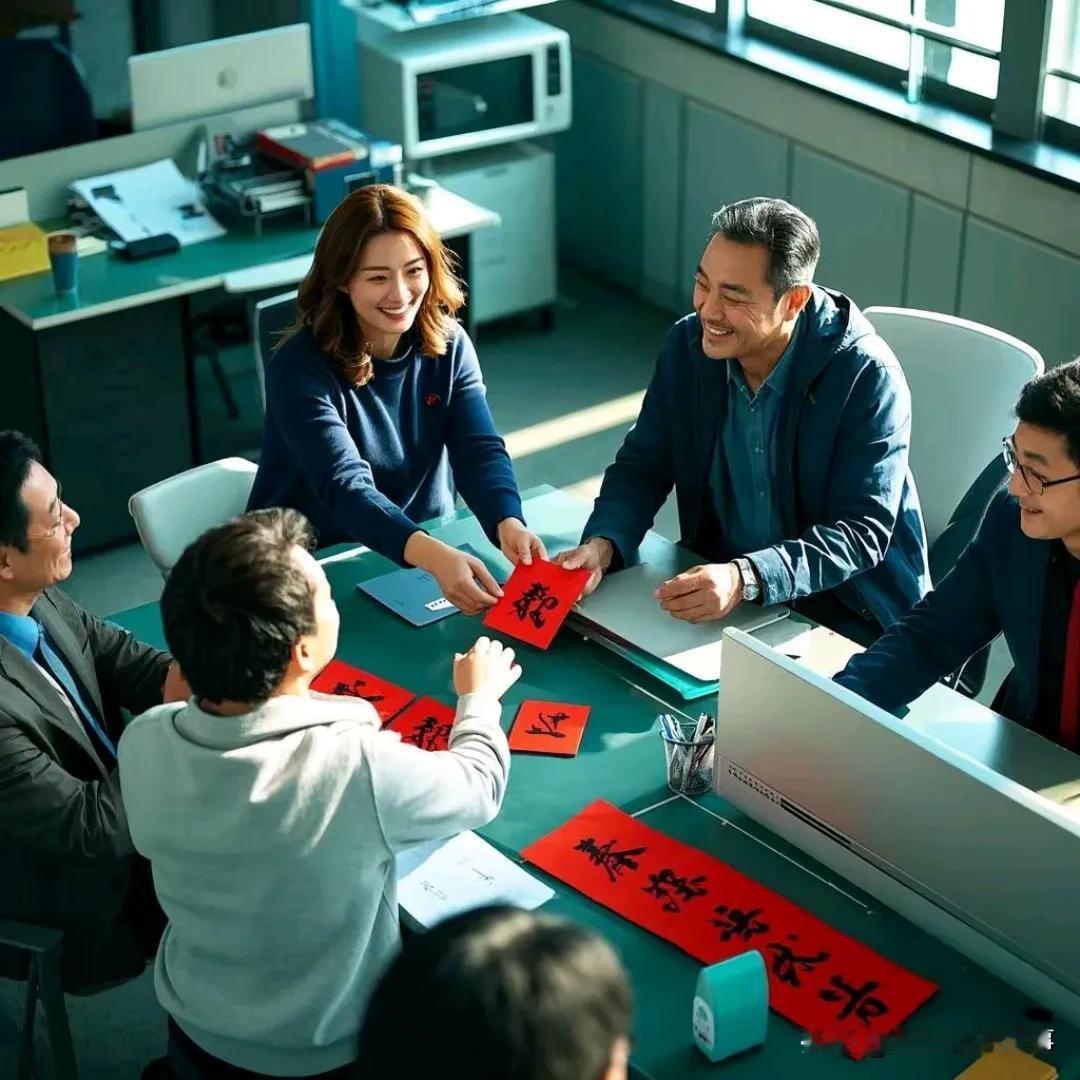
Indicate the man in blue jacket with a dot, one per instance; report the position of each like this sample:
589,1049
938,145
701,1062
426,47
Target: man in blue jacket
782,420
1020,576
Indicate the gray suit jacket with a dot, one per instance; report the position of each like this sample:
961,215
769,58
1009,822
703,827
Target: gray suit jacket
66,859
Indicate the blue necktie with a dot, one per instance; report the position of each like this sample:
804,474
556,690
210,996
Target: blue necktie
59,671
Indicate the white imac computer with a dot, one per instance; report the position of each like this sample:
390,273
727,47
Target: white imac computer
221,76
985,857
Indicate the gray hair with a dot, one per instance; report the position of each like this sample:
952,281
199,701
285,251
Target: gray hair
790,237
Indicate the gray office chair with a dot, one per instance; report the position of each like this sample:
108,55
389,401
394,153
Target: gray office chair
43,985
272,317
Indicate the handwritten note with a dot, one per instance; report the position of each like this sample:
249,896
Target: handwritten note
426,723
828,983
549,727
445,877
344,679
535,602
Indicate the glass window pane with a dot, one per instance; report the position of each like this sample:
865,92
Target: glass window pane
962,69
699,5
977,21
840,29
1064,51
1062,99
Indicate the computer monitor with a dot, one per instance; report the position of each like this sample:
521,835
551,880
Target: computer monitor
984,860
220,76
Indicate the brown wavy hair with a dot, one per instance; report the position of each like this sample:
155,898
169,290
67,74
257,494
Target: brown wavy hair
324,306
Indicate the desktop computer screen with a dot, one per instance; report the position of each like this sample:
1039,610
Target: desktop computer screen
220,76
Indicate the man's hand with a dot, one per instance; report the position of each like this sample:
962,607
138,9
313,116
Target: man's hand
175,687
702,593
465,581
487,668
595,555
517,543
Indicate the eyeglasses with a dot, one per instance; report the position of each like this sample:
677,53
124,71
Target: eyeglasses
54,531
1035,483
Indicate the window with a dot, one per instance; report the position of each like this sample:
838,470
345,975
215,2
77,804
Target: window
937,50
708,6
1061,96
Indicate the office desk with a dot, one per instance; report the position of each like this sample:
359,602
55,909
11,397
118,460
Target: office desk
104,381
621,760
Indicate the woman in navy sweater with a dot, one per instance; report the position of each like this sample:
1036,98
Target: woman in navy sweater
375,407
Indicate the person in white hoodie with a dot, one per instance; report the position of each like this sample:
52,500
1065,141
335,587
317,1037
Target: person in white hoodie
271,815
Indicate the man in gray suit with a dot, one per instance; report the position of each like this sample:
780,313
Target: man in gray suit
66,859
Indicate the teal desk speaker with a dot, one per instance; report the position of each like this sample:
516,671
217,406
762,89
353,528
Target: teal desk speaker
731,1006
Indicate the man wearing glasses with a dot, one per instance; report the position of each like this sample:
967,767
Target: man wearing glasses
66,859
1020,576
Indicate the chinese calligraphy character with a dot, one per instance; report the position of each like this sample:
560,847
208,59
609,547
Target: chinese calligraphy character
356,690
859,1002
738,923
548,724
533,602
428,735
786,965
614,862
666,882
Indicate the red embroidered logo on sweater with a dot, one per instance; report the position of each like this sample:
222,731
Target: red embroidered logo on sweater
432,399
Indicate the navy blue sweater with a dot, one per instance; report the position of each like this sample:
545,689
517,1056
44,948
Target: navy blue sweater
366,463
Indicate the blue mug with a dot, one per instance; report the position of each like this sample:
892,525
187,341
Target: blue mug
64,259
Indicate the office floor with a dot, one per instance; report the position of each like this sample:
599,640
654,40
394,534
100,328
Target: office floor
563,400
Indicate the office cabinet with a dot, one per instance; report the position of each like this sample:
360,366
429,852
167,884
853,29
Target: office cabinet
726,160
933,269
863,222
662,277
513,266
1022,287
599,173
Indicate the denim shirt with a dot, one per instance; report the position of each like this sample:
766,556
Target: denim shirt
749,504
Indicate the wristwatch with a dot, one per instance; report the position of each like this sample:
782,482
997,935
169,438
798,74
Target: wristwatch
751,586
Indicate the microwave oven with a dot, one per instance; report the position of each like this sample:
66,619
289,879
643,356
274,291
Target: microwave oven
443,89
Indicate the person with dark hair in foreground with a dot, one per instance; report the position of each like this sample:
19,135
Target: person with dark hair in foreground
1020,576
782,420
271,815
500,994
66,859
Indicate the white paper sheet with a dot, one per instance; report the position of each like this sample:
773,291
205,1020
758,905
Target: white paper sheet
149,200
445,877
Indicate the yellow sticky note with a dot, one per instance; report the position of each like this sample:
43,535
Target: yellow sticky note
23,250
1007,1062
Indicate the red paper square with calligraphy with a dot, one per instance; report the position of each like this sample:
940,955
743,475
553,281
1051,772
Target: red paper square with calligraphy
549,727
826,982
348,681
425,723
535,602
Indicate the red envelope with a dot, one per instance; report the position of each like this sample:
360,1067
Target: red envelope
344,679
549,727
425,723
535,601
829,984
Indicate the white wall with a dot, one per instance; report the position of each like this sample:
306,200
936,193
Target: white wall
665,131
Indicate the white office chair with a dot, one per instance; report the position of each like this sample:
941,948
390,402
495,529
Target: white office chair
965,379
173,512
272,316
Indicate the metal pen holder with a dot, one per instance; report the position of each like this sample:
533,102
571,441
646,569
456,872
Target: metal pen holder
688,756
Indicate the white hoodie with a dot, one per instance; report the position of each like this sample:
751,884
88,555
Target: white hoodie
272,838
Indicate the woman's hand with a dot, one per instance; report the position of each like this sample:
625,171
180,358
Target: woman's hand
517,543
488,668
465,581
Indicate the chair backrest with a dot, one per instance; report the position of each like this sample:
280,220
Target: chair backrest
44,103
272,316
173,512
965,379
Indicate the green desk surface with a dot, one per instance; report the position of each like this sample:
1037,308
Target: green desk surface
108,283
621,760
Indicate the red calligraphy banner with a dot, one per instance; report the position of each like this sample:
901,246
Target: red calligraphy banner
535,601
426,723
832,986
344,679
548,727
